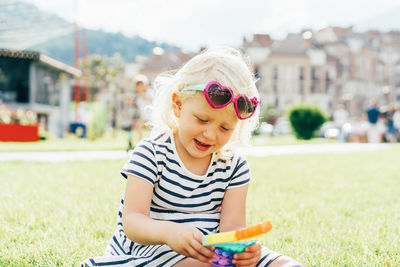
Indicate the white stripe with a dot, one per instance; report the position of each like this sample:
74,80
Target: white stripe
197,205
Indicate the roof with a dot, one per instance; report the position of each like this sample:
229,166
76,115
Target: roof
260,39
293,44
19,54
36,56
169,60
59,65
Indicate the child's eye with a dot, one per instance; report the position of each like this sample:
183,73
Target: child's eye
201,120
224,128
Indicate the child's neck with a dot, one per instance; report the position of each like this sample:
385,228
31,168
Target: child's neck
198,166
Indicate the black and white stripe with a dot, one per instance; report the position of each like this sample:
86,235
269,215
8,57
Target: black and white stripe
179,196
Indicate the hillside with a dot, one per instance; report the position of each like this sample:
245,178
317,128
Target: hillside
100,42
24,26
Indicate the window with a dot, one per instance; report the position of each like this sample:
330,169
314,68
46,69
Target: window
314,80
301,80
301,73
275,73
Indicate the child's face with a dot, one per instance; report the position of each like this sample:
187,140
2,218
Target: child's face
202,129
141,88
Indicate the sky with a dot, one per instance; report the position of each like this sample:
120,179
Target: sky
192,24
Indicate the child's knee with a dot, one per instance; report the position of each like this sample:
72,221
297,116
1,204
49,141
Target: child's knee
284,261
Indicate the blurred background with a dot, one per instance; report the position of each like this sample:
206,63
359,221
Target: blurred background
76,77
78,68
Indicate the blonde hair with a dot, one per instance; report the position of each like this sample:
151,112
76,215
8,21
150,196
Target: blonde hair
223,64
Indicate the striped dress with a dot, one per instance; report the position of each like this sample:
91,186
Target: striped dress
179,196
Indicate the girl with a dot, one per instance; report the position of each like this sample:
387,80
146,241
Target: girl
184,182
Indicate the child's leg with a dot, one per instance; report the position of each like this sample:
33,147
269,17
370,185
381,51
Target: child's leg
273,259
139,128
284,261
268,258
119,260
191,262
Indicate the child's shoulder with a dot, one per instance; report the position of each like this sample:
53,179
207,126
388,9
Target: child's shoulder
163,139
230,157
156,142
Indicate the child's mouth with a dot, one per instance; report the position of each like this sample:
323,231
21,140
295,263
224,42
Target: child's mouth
200,145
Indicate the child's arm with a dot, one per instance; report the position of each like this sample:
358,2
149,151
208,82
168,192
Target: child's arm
139,227
233,209
233,217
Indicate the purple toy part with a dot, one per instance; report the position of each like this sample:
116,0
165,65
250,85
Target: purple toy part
224,257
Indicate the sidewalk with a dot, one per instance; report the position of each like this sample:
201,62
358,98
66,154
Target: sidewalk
316,149
257,151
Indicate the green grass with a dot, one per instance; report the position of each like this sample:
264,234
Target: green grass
57,214
330,210
327,210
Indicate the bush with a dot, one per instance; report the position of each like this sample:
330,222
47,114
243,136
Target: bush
305,120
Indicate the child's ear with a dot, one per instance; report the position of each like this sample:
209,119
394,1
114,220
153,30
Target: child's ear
176,105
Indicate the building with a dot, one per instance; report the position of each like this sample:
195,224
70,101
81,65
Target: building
329,66
33,81
292,70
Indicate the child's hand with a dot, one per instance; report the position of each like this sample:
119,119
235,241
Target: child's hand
250,257
187,241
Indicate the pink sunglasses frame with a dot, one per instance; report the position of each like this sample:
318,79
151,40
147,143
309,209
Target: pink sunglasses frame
233,99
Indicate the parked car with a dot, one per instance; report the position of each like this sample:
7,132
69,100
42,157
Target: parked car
282,127
353,131
266,128
329,130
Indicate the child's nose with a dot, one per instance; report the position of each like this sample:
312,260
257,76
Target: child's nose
210,133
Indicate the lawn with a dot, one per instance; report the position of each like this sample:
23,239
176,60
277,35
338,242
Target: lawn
327,210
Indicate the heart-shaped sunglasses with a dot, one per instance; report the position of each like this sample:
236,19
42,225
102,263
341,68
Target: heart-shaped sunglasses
219,96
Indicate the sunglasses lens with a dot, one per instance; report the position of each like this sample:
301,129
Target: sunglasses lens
218,96
245,107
